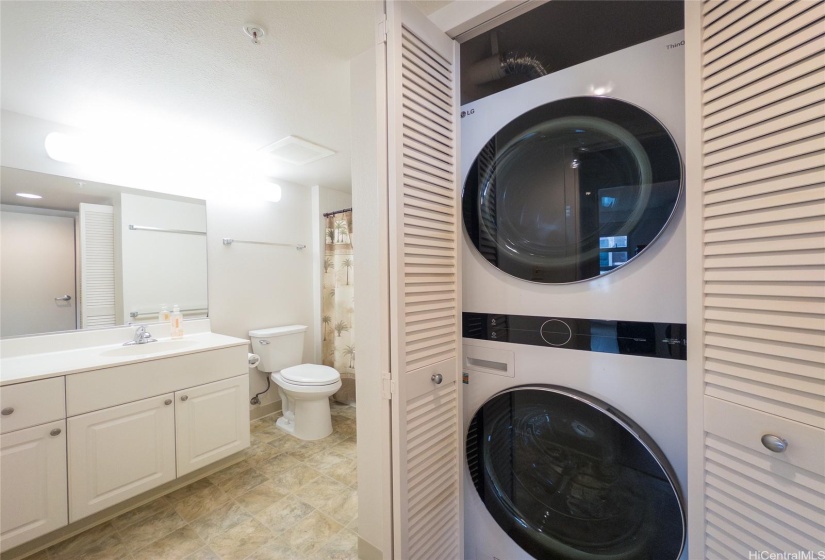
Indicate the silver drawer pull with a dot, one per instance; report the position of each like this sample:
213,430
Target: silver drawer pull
167,402
437,378
184,398
774,443
55,432
7,411
67,297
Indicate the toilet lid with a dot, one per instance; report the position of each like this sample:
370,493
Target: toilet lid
310,374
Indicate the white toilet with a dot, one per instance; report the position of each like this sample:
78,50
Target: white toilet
305,388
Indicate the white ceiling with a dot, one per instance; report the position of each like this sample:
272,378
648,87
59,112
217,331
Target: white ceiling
106,65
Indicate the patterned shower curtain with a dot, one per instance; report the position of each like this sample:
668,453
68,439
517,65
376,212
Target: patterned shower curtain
338,346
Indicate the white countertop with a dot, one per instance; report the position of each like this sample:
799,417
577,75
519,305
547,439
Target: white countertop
30,367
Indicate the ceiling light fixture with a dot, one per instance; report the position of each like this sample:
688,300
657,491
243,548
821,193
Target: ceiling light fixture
296,151
254,32
28,195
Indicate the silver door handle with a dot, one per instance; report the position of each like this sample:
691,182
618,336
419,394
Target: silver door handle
774,443
67,297
437,378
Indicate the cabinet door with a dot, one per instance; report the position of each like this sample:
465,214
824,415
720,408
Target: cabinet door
212,422
119,452
33,478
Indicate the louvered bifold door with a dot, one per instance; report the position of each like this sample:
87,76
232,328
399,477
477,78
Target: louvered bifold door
424,287
760,221
97,266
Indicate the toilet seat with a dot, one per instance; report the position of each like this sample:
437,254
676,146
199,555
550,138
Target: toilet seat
310,375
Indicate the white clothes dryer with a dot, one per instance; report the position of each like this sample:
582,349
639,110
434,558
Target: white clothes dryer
571,190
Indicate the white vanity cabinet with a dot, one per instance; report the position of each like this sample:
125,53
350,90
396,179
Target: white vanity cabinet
134,427
32,460
33,479
211,422
120,452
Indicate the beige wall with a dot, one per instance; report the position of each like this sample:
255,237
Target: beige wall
258,286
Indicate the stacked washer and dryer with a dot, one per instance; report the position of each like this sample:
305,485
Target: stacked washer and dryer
574,312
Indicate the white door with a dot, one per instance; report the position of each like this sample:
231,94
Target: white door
37,274
756,313
424,296
33,479
120,452
97,266
212,422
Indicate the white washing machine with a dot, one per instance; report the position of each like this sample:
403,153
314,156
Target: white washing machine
574,311
572,454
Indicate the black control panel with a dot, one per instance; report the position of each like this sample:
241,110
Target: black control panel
635,338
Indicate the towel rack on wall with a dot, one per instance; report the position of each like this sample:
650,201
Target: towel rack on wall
165,230
135,314
230,241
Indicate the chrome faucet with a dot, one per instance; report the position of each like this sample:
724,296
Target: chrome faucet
142,336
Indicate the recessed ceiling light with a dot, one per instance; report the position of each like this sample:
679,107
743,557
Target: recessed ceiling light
28,195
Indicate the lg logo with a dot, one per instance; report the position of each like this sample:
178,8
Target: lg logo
467,113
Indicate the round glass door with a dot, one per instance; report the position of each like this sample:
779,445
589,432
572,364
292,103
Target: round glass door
572,190
569,478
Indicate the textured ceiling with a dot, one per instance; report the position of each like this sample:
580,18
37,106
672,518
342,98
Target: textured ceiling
188,66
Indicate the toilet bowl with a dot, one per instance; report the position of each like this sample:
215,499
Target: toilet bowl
304,388
305,392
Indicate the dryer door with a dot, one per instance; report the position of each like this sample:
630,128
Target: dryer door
567,477
571,190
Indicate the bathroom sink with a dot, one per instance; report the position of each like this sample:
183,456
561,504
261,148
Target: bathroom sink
150,348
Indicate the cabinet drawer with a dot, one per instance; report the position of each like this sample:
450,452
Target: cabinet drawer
32,403
103,388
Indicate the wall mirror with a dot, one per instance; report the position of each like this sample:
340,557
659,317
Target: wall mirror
91,255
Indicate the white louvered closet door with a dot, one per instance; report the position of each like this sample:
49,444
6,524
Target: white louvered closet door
757,210
97,266
424,284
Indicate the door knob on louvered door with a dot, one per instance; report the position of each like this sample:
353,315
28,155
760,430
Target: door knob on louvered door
437,378
774,443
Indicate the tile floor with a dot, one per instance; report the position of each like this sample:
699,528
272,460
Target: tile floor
287,500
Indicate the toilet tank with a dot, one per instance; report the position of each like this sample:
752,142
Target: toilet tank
278,347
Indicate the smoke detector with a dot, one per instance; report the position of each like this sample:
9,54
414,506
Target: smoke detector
254,32
296,151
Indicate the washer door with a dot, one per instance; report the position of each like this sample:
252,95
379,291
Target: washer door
571,190
567,477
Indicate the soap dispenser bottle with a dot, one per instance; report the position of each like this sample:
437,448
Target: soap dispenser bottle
176,323
164,315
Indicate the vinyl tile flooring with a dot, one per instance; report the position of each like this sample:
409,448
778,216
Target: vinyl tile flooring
287,499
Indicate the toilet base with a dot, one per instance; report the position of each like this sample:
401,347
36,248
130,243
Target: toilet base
286,425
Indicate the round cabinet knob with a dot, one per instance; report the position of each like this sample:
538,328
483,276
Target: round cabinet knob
437,378
167,402
7,411
184,398
55,432
774,443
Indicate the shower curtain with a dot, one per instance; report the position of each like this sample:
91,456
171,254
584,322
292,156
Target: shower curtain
338,340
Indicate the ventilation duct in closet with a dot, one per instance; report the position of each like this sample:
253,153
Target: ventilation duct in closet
500,66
